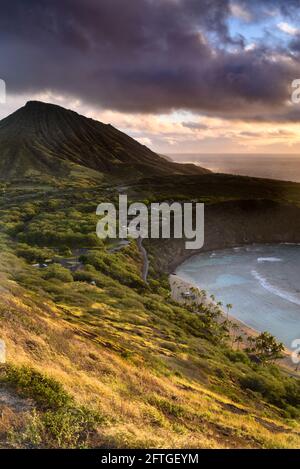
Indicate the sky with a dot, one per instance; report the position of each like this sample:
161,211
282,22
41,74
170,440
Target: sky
180,76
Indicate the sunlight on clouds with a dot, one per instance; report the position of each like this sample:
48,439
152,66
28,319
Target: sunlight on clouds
144,141
181,131
250,46
288,29
240,12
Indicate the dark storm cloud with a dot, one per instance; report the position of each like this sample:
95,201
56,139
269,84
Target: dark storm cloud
295,44
143,55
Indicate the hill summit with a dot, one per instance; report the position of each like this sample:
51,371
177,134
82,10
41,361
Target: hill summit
49,139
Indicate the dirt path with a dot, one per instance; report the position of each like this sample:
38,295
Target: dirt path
18,404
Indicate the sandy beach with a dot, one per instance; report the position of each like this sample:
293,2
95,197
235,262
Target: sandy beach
180,286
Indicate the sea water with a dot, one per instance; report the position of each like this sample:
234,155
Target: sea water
278,166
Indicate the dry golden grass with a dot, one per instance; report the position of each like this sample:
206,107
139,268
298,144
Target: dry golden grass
142,408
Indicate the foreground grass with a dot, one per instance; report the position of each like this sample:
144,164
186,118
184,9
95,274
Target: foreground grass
93,385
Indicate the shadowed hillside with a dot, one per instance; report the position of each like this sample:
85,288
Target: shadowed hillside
47,138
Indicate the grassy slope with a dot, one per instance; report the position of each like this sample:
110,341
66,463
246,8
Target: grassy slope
137,370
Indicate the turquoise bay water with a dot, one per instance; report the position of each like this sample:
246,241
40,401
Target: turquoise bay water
261,281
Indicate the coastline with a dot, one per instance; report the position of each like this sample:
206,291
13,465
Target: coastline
179,286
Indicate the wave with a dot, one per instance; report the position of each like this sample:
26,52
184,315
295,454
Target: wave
276,291
269,259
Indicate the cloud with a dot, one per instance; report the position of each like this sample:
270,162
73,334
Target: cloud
241,12
152,56
288,29
195,125
259,9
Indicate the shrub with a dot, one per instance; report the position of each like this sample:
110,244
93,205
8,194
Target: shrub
237,356
34,254
119,266
283,392
84,276
56,271
168,407
58,422
67,428
45,391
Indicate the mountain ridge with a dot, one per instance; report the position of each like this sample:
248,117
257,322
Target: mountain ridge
46,138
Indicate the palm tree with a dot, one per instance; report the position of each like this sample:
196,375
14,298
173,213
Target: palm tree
239,340
229,307
267,348
234,328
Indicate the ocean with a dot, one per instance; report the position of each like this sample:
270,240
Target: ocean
261,281
279,166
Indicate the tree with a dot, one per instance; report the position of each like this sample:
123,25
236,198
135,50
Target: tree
234,327
251,347
238,340
229,307
267,348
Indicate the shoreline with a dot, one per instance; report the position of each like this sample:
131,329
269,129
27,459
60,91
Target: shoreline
183,285
179,286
